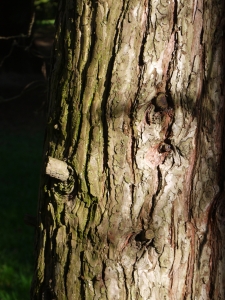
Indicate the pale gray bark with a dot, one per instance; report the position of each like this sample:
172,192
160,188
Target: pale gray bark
137,112
57,169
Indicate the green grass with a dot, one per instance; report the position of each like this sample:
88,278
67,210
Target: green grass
20,154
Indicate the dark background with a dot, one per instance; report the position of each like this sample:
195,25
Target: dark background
24,70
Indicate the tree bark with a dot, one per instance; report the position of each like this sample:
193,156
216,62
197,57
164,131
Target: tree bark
137,115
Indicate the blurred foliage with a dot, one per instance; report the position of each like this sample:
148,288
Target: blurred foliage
21,140
21,154
45,10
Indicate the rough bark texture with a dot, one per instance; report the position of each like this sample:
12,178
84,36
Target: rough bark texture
137,113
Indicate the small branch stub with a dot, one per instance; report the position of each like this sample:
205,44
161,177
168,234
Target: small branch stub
57,169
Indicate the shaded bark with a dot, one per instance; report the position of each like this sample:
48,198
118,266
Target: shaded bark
137,113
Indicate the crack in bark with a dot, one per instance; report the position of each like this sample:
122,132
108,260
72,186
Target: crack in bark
159,187
67,264
125,283
107,91
46,288
81,277
134,105
174,16
145,35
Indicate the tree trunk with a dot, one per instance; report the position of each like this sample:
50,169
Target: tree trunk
132,205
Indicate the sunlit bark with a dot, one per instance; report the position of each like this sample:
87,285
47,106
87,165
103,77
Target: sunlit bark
137,114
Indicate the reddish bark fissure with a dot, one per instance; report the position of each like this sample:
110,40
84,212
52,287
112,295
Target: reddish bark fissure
137,113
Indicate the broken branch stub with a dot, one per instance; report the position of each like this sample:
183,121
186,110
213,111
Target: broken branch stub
57,169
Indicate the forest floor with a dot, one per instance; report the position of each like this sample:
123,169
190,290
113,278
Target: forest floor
23,96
